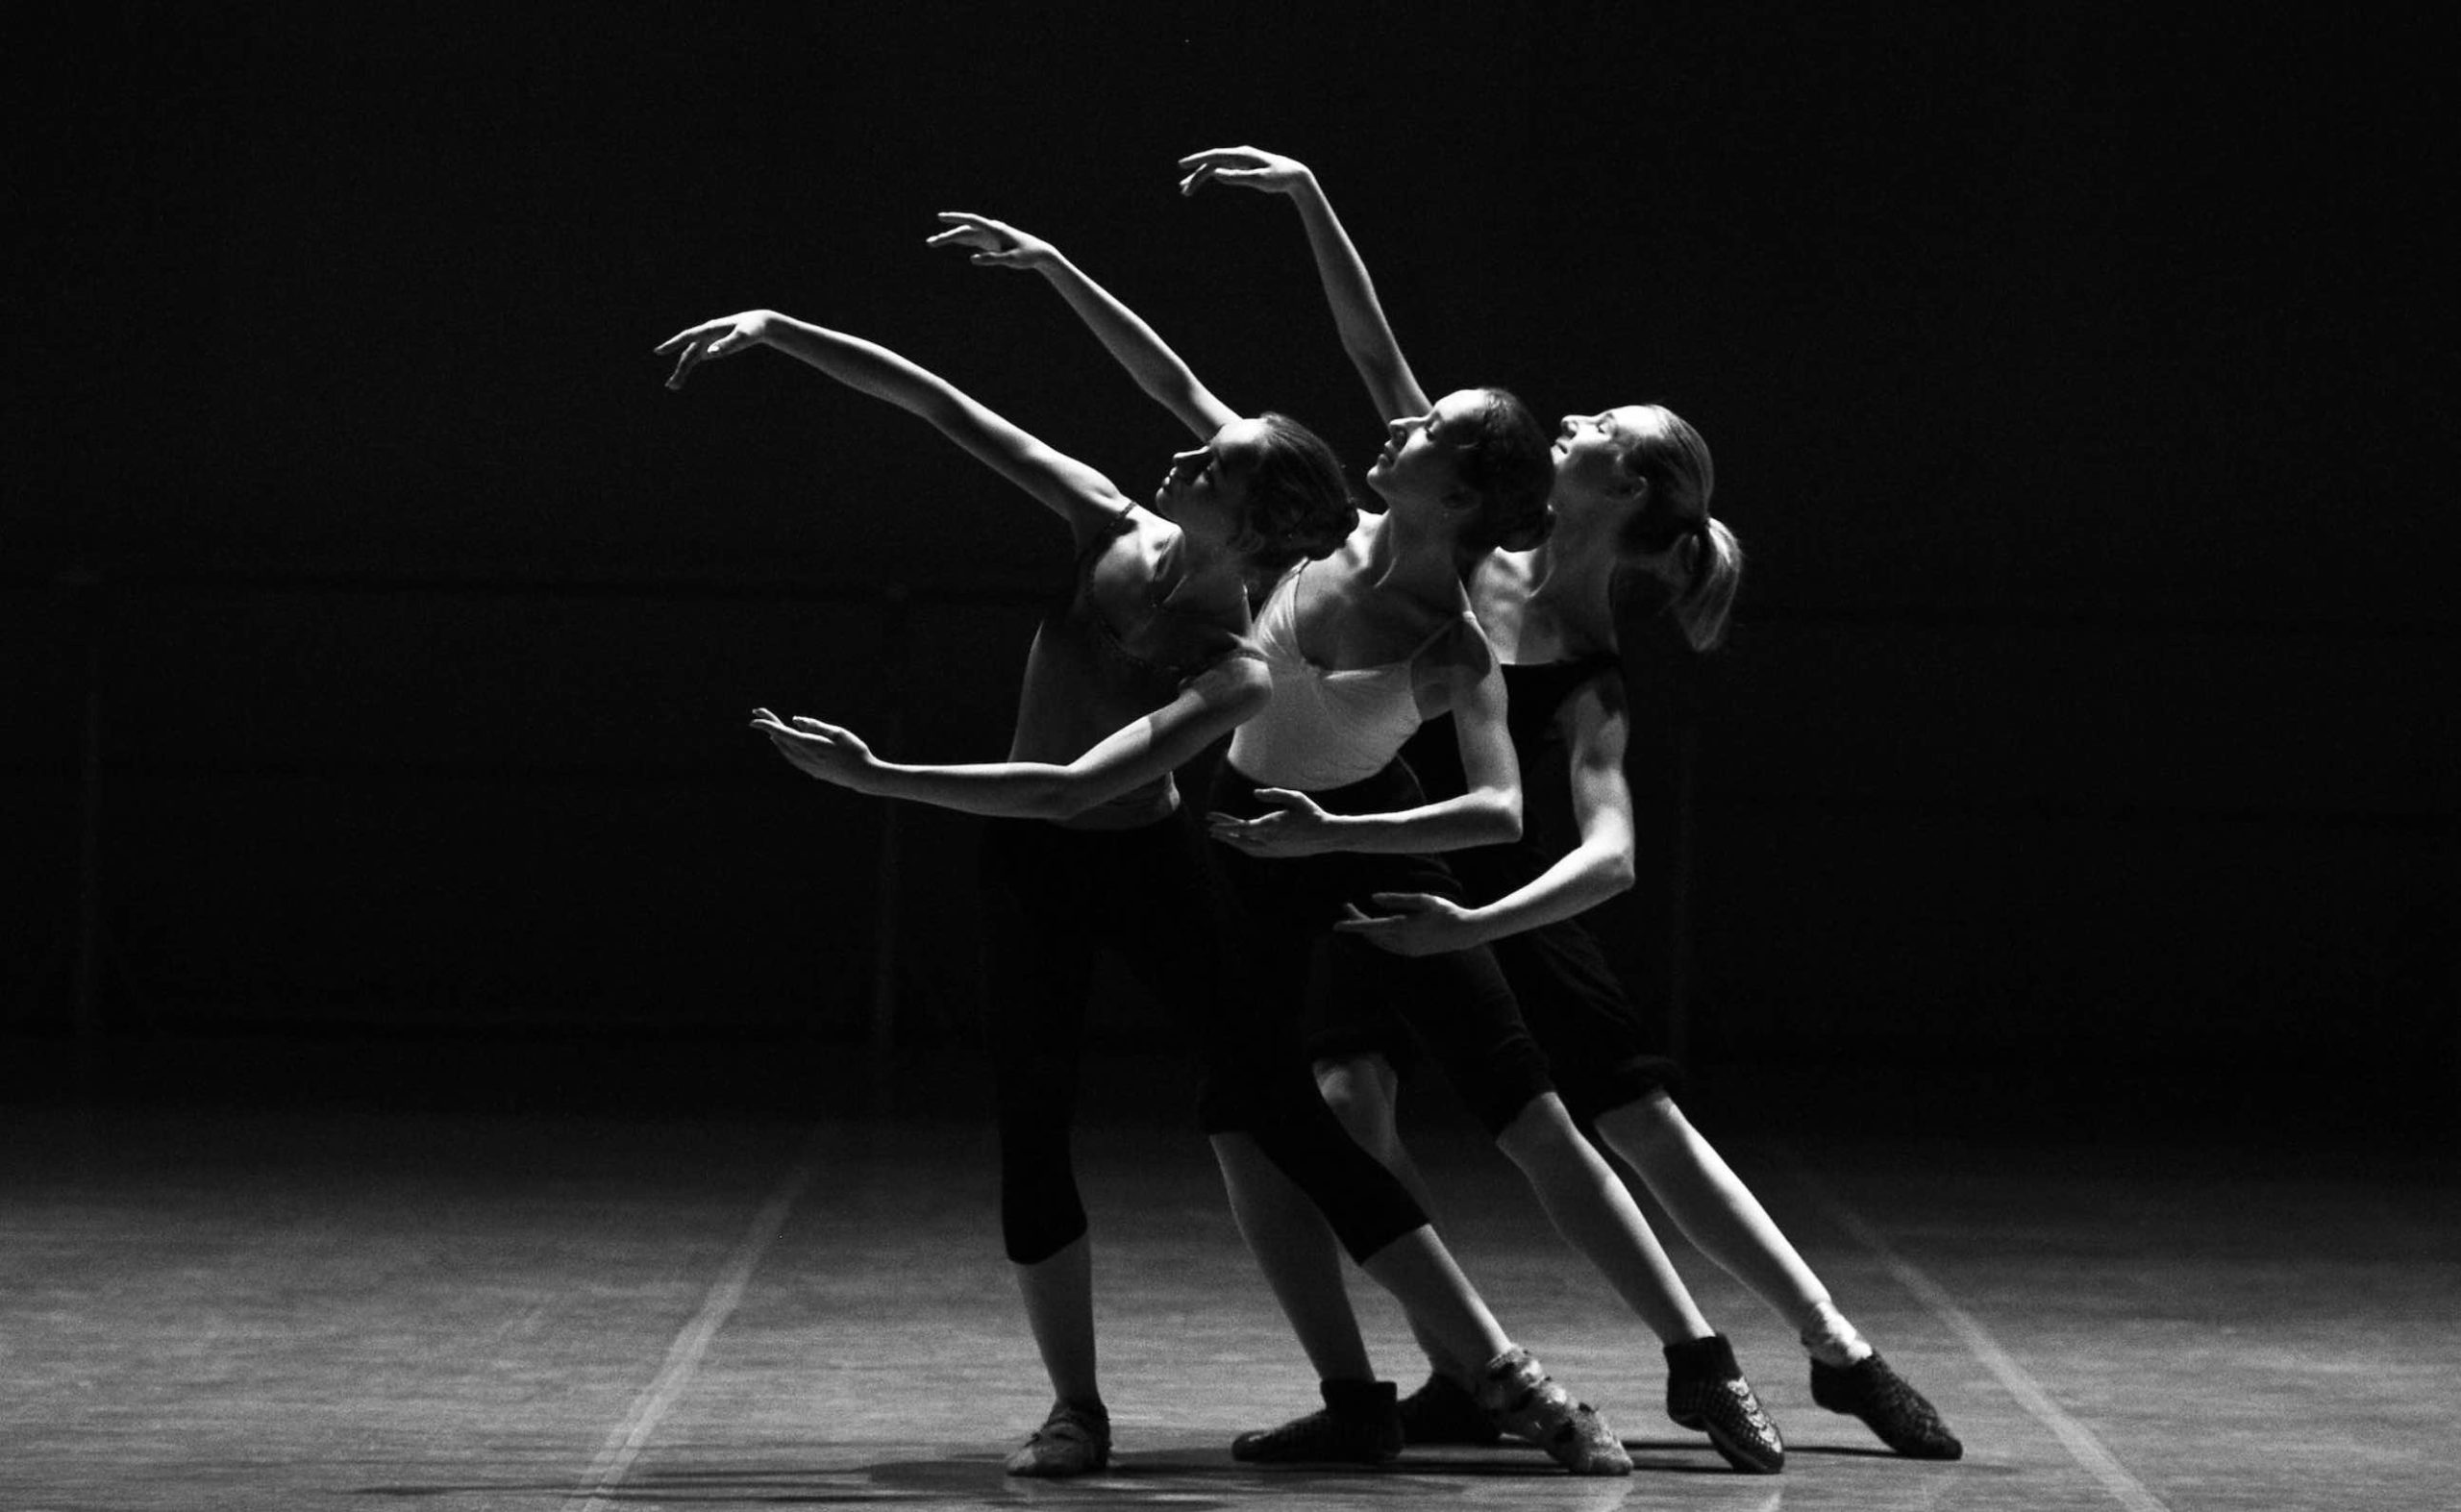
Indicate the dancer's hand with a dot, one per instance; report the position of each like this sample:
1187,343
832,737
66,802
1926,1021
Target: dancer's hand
822,751
1414,923
715,338
1296,827
997,244
1244,167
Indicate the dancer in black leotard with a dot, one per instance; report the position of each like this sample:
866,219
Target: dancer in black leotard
1144,663
1631,509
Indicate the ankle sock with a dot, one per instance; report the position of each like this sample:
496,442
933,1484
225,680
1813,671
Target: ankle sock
1831,1340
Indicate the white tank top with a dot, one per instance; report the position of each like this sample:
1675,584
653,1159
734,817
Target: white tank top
1325,728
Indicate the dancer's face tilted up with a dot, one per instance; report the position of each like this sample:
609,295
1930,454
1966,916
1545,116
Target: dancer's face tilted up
1205,492
1594,460
1420,465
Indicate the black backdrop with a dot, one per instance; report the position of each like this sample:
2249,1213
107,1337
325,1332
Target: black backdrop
2074,374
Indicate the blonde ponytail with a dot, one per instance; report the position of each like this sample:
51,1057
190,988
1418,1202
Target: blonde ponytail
1714,573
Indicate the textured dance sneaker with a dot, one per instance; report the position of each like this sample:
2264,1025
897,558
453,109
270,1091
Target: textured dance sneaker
1359,1425
1706,1392
1528,1405
1443,1412
1868,1390
1071,1442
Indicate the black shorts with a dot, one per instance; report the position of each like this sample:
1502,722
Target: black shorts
1457,1005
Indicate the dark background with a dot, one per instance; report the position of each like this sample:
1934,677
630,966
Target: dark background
2079,378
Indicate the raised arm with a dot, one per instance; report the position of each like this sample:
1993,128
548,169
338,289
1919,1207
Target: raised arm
1148,359
1076,492
1600,866
1366,336
1460,670
1206,707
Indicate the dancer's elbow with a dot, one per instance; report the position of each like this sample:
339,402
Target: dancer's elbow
1497,819
1615,871
1058,798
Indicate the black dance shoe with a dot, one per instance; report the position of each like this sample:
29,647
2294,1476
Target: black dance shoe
1441,1412
1868,1390
1360,1425
1706,1392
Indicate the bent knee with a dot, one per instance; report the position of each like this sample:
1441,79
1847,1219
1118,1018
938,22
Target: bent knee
1645,1123
1360,1091
1543,1127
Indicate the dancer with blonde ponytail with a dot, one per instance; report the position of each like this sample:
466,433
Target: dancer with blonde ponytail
1630,502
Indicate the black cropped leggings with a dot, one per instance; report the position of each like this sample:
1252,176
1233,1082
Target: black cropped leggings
1053,897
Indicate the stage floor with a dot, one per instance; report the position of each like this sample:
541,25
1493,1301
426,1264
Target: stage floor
315,1306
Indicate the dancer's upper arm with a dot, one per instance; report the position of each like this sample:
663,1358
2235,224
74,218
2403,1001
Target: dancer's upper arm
1598,726
1473,687
1206,707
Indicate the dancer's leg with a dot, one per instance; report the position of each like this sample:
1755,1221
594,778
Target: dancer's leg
1040,958
1294,1247
1364,1093
1718,1213
1358,1421
1721,1217
1705,1389
1059,1309
1594,1212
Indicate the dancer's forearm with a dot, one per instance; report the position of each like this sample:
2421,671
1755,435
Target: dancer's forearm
1367,336
1580,881
1159,371
1455,824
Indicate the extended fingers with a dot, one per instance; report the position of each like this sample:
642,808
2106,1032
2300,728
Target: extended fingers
970,230
684,364
1230,830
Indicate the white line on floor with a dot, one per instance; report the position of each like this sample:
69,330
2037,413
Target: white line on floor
2099,1462
623,1445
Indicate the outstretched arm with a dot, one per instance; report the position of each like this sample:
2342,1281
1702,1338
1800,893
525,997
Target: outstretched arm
1148,358
1068,488
1207,707
1596,869
1366,336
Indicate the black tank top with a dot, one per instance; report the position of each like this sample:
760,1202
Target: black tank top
1535,694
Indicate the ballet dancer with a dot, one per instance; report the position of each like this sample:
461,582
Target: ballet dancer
1147,662
1630,504
1362,643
